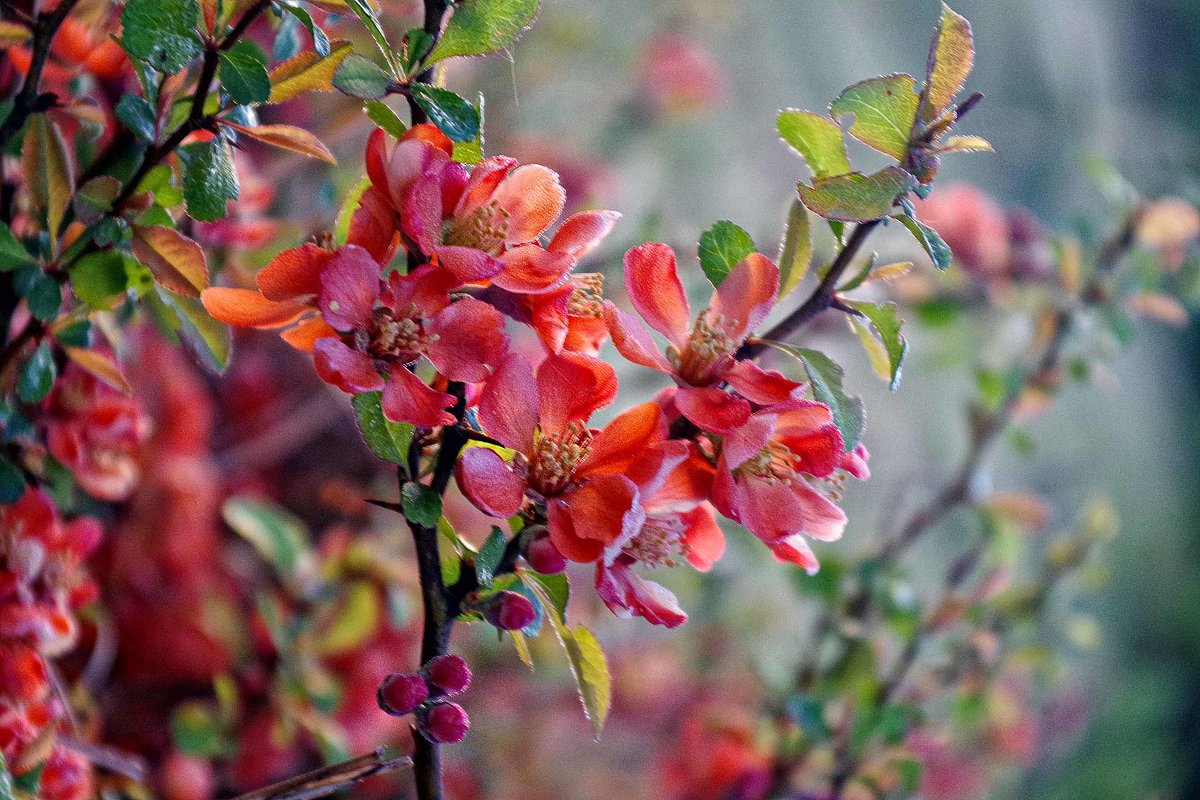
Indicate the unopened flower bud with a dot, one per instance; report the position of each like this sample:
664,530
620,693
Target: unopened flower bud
541,553
448,673
401,693
443,722
508,611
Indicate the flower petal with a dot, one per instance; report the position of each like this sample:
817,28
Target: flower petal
407,398
633,341
293,273
652,283
470,340
508,404
627,594
764,387
529,268
468,264
580,233
347,369
489,482
625,440
349,288
806,428
248,308
533,198
570,387
747,294
304,336
605,509
749,439
712,409
432,134
703,536
795,550
373,226
420,207
562,533
485,177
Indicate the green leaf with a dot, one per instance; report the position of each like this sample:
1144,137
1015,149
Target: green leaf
320,40
471,152
244,73
361,77
415,46
855,197
422,505
933,244
479,27
77,334
809,715
38,374
456,118
887,326
196,730
555,589
162,32
371,20
817,139
590,668
721,247
825,378
30,781
388,440
94,199
100,279
279,537
489,557
951,56
42,293
12,253
795,255
382,115
12,482
138,116
49,171
884,109
210,180
208,339
355,620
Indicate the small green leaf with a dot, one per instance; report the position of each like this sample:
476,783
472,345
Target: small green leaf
42,293
471,153
489,557
370,20
479,27
162,32
809,714
196,730
555,589
320,40
825,378
951,56
456,118
244,73
855,197
721,247
94,199
817,139
884,109
38,374
388,440
355,619
278,536
591,674
933,244
887,325
210,180
12,482
422,505
208,339
100,279
138,116
795,255
361,77
382,115
12,253
415,46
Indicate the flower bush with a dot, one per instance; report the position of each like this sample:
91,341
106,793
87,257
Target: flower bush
449,300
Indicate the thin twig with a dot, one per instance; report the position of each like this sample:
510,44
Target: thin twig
325,781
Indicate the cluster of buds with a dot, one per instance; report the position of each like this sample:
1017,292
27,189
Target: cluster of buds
424,694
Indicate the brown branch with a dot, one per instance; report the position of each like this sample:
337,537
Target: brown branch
325,781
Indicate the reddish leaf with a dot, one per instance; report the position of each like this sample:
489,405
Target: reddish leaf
176,262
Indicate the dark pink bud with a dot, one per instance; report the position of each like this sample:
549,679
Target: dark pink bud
509,611
401,693
543,556
443,722
449,673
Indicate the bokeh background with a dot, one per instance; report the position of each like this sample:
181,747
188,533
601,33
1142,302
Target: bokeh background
1065,80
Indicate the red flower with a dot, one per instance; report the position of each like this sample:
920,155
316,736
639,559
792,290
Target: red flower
701,356
765,474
